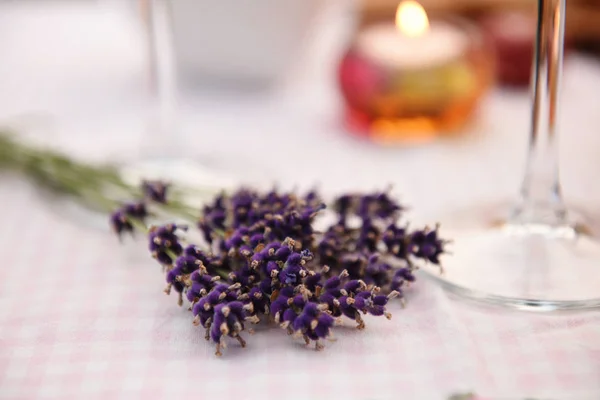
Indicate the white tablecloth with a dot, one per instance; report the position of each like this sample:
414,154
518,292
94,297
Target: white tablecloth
83,318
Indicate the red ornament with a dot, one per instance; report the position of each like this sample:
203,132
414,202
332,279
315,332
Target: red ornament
512,36
360,80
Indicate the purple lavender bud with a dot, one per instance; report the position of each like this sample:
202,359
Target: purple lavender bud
287,291
178,286
198,307
307,255
347,308
289,316
298,301
136,210
265,285
214,296
406,274
237,309
327,298
377,273
272,248
163,242
376,310
401,276
380,300
395,239
325,322
193,292
260,257
332,283
301,323
272,266
368,237
353,286
360,303
311,211
194,251
365,205
255,293
311,309
343,204
282,254
386,207
155,191
187,264
428,245
120,219
312,197
294,259
246,276
237,239
305,322
231,296
207,232
290,275
215,330
246,250
259,300
203,310
312,281
355,265
366,294
120,223
216,218
203,279
256,239
279,305
172,276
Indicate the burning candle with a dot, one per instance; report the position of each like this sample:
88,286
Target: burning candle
413,42
413,79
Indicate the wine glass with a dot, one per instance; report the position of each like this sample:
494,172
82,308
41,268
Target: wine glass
163,151
542,256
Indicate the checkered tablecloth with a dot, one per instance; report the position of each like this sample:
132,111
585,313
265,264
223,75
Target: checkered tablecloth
82,318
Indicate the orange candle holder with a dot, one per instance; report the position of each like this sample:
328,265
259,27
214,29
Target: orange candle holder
417,85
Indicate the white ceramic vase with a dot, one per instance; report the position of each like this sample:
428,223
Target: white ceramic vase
239,40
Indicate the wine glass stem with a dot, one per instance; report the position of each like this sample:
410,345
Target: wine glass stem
161,138
541,199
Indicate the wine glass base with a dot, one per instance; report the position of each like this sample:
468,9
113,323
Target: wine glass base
532,267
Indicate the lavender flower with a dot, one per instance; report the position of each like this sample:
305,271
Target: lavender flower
313,323
368,206
401,277
199,285
427,245
228,321
120,223
121,219
164,244
155,191
263,260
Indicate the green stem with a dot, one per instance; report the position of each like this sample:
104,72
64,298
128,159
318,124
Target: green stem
100,186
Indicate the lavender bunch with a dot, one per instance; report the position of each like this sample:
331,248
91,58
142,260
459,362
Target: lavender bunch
263,261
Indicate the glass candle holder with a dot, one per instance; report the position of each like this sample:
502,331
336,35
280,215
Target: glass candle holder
400,87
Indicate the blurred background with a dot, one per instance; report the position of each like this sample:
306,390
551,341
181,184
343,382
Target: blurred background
284,91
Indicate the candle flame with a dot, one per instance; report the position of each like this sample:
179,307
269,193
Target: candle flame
411,18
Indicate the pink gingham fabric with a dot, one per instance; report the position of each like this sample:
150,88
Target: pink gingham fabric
82,318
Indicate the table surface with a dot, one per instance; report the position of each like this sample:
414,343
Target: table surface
81,317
